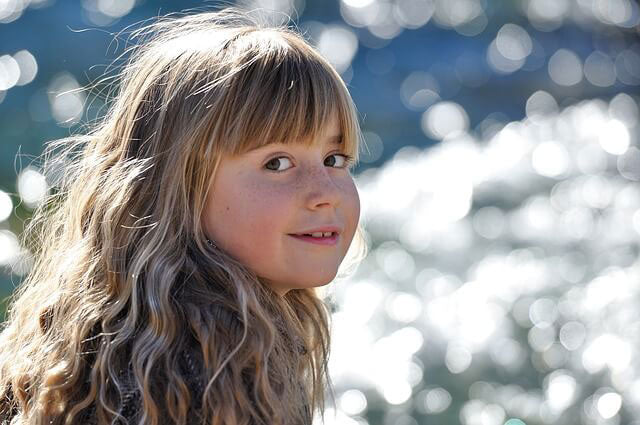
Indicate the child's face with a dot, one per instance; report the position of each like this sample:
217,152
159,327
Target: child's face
253,212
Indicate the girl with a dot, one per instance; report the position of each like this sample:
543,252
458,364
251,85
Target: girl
176,265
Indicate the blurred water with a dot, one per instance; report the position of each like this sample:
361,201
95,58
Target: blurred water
507,266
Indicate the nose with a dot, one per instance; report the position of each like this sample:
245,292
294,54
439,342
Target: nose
321,189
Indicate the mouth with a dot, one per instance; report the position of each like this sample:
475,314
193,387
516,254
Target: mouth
318,236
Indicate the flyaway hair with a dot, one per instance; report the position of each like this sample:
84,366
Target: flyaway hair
124,283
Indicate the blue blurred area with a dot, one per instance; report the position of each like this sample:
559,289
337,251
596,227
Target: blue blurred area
63,39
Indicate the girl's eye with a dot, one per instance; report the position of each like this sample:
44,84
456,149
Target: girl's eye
276,164
338,160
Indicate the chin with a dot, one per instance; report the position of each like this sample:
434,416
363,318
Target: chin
322,280
315,282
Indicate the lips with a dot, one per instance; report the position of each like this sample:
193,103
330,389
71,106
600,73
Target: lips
331,240
324,229
332,234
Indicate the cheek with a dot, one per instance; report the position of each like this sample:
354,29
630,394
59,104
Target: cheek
356,196
352,202
249,218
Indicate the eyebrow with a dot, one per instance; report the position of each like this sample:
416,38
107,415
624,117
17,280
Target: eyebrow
331,140
337,139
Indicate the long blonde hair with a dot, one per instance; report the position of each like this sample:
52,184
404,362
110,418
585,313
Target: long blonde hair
123,278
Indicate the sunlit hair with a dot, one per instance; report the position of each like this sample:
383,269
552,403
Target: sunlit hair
123,278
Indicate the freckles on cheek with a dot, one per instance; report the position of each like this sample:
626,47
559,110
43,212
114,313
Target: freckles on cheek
249,207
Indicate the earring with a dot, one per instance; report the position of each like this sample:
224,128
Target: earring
211,243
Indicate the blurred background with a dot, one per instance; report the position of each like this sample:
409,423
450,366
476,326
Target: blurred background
499,187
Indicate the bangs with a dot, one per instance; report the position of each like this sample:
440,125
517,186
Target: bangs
284,93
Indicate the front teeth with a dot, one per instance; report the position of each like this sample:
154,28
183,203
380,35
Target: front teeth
321,234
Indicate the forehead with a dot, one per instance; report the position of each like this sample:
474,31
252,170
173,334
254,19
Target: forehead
331,130
329,134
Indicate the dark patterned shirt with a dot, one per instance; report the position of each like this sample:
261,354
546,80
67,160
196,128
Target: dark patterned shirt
191,365
131,400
